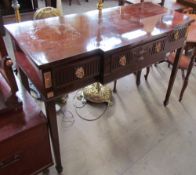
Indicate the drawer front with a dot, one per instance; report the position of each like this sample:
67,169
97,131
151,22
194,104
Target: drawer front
72,73
26,153
122,60
133,59
149,53
118,64
176,39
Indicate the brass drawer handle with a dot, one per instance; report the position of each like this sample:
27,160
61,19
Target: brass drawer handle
123,61
79,72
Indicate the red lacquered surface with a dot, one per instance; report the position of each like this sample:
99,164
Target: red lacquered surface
53,39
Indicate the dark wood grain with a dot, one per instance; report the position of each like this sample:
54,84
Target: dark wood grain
51,112
173,75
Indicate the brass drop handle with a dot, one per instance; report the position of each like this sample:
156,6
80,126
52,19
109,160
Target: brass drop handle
158,47
176,35
79,72
123,60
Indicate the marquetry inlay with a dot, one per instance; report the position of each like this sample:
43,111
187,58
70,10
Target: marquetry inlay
47,80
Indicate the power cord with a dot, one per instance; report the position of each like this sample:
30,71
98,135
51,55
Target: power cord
67,118
78,97
84,102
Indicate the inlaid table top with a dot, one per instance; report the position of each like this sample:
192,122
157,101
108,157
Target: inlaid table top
48,40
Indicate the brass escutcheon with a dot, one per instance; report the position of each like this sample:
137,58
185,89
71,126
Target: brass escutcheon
123,61
79,72
176,35
158,47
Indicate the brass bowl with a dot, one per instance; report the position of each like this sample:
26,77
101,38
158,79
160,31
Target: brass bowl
46,12
97,93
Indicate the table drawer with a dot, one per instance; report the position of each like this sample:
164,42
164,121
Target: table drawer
149,53
122,60
118,64
26,153
75,72
176,38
